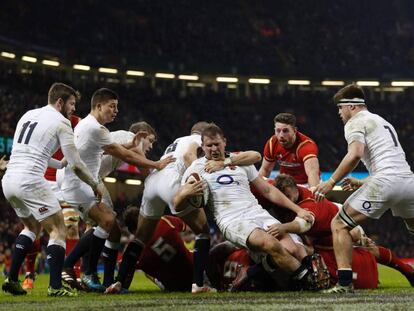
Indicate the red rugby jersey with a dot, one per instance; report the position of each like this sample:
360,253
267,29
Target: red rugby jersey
166,258
291,160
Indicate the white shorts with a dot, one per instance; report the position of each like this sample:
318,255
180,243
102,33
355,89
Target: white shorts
159,191
238,229
30,196
83,199
379,194
56,190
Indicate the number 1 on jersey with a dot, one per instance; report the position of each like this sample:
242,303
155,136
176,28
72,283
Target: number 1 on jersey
29,134
392,135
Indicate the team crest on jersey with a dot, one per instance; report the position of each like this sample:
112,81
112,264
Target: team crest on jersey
43,210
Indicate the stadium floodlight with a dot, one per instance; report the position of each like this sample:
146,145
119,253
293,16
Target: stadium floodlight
135,73
259,81
110,180
188,77
390,89
368,83
227,79
134,182
8,55
48,62
163,75
232,86
298,82
196,84
107,70
332,83
29,59
82,67
402,83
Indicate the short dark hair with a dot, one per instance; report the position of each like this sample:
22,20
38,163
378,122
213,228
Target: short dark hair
130,216
350,91
285,118
101,96
199,127
61,90
211,130
283,181
142,126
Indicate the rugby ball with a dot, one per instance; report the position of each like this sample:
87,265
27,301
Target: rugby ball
199,200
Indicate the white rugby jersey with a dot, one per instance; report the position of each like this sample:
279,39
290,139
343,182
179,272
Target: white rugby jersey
230,194
383,152
39,133
90,138
110,163
178,148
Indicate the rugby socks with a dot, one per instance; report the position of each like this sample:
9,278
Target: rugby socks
81,248
97,243
70,244
109,254
31,257
22,246
389,258
55,256
129,261
200,258
345,276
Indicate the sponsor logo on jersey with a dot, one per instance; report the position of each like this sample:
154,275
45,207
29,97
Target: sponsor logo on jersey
43,210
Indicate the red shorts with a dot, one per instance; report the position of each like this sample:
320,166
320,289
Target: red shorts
364,267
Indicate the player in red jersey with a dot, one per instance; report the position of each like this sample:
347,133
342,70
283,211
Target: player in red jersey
71,218
165,258
364,259
296,154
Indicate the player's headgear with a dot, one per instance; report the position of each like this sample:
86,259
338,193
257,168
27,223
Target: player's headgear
351,94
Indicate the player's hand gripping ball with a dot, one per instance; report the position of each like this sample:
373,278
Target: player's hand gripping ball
200,200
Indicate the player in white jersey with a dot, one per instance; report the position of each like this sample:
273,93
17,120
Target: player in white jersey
109,163
39,133
236,211
160,188
93,140
390,185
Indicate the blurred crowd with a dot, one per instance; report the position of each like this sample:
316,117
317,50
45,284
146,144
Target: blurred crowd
284,37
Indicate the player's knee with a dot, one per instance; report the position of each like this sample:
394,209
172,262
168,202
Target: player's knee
107,221
72,232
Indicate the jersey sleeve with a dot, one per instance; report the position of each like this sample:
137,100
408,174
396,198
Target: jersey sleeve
102,137
252,172
268,151
319,215
175,222
308,149
355,131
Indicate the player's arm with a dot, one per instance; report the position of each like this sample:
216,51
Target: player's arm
53,163
312,171
275,196
72,156
298,225
347,165
191,154
266,167
134,158
242,158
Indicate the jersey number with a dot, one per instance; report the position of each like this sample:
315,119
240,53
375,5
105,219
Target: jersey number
31,127
171,148
392,135
164,250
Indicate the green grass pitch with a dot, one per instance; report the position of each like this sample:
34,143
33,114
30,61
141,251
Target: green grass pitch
394,293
